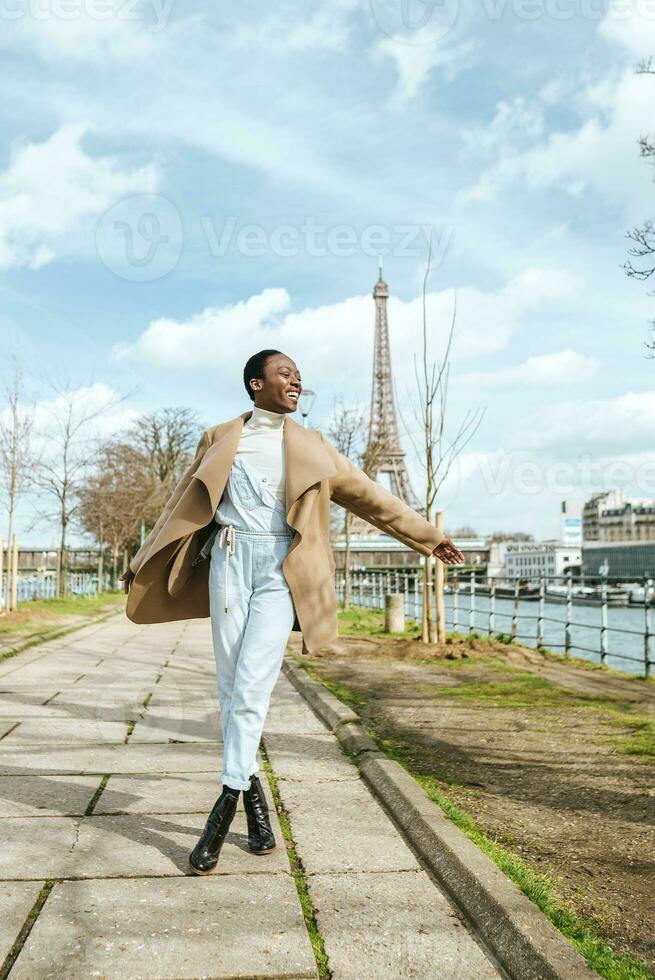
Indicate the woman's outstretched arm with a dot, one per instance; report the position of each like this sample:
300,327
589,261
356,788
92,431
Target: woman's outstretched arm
358,493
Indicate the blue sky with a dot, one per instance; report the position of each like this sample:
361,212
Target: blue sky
182,184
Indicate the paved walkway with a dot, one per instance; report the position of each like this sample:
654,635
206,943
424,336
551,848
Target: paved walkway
109,754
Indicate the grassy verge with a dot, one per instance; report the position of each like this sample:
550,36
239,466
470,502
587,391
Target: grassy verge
518,688
36,613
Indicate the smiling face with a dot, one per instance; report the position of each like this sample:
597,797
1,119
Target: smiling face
281,386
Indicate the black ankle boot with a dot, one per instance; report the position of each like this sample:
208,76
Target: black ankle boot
204,856
260,836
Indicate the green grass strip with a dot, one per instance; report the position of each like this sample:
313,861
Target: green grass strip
298,872
96,796
28,925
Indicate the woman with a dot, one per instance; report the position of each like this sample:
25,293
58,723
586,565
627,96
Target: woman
244,538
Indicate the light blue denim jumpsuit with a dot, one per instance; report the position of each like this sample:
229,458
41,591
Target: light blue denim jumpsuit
252,612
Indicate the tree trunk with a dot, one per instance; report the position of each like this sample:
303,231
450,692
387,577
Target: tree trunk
346,568
438,587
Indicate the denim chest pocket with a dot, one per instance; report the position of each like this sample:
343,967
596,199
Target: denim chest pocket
243,489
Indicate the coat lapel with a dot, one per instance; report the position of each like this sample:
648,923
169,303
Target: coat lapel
306,464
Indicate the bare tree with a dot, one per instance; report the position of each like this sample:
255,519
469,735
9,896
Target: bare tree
16,425
69,451
166,439
347,430
437,453
643,236
115,497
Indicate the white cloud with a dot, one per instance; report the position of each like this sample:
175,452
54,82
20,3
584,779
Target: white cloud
630,23
618,425
334,342
614,108
564,367
416,62
49,188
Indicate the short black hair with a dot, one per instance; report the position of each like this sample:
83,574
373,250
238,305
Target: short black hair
255,368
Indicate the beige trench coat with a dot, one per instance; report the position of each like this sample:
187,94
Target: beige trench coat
169,586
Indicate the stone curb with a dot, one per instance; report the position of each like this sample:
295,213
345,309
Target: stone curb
523,940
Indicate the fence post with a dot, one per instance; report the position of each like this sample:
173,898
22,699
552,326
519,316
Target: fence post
472,605
456,603
647,594
515,609
540,616
492,606
603,622
569,614
14,571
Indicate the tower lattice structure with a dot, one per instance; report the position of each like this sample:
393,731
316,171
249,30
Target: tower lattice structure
384,453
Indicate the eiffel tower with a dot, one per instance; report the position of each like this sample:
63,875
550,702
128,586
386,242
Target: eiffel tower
384,453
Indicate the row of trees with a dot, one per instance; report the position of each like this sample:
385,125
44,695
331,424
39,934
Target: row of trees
56,462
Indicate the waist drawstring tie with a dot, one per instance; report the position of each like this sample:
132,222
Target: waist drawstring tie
227,540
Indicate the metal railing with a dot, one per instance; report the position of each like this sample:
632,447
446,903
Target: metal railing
39,585
617,614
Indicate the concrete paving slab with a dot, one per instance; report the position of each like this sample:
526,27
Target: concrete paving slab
93,704
16,901
22,704
75,731
293,716
312,758
187,928
190,793
37,847
162,842
384,926
183,757
48,671
30,693
159,725
136,845
340,827
45,795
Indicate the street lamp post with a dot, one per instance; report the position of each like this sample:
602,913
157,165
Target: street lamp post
305,404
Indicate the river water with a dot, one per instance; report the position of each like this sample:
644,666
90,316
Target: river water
624,637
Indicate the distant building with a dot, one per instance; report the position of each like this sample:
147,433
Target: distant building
529,559
570,523
625,560
382,550
610,517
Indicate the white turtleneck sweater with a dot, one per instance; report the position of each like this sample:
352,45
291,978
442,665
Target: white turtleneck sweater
261,444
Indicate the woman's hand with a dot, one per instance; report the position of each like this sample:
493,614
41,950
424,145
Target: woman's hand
448,553
126,578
